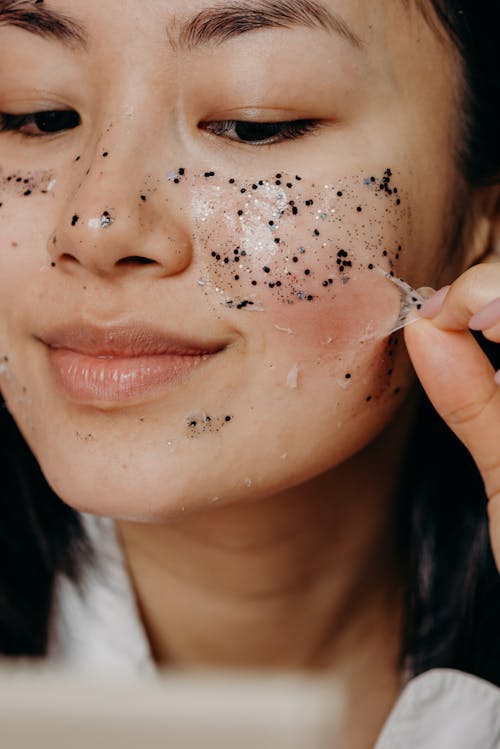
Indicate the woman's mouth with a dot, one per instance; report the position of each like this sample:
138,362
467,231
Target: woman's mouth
121,364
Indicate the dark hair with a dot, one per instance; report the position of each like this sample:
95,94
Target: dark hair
453,599
470,25
453,607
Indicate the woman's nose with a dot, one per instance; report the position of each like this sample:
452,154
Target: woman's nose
113,223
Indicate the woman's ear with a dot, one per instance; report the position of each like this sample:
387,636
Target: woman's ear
484,242
494,255
477,238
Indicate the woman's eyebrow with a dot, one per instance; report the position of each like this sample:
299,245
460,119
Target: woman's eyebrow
39,20
212,25
220,23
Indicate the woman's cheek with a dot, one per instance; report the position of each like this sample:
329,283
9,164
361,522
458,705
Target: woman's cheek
27,206
27,201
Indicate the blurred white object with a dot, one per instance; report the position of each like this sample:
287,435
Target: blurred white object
43,710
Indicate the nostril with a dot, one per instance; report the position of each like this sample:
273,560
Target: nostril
68,256
136,260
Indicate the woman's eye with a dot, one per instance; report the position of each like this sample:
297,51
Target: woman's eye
40,123
260,133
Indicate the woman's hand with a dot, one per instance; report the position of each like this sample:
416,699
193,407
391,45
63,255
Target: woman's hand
457,376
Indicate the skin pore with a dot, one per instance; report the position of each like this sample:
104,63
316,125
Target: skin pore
255,498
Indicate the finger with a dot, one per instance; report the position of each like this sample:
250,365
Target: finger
473,291
459,381
488,320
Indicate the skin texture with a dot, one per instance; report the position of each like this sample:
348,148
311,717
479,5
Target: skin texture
267,540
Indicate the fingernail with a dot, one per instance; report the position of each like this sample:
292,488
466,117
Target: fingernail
431,307
487,317
497,377
426,292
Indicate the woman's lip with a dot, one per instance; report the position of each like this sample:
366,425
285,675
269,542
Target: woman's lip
118,363
119,379
124,341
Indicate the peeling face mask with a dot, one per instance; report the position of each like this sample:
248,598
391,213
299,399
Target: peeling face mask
292,248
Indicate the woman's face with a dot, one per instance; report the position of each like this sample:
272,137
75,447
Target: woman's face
193,299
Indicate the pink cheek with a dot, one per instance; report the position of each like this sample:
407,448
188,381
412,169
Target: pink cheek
352,313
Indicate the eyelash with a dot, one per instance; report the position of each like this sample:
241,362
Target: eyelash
14,122
277,132
288,130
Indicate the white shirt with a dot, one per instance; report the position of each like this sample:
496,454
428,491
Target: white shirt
98,630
